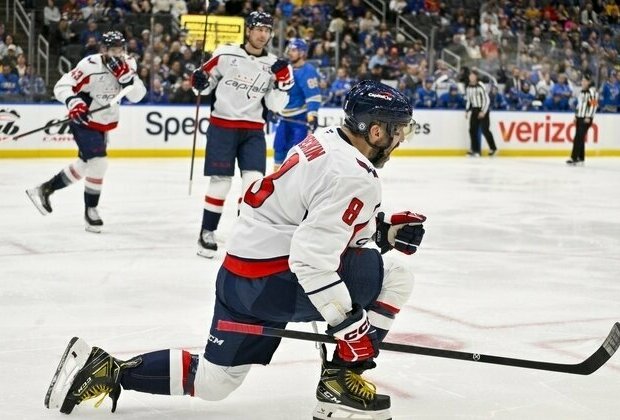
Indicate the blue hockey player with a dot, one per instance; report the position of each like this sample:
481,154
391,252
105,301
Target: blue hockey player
303,104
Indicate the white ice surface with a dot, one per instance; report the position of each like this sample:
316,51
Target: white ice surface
521,259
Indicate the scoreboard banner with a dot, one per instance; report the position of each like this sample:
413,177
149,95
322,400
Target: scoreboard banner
220,29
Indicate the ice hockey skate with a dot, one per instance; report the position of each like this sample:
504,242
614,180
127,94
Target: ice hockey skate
84,373
344,394
40,197
93,220
207,247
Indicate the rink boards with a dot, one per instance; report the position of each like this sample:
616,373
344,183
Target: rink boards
167,131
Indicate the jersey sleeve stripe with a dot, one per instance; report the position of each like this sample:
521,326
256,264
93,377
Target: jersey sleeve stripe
320,289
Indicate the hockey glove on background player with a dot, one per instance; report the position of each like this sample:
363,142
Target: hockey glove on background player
356,338
313,123
283,72
78,110
404,232
121,70
200,80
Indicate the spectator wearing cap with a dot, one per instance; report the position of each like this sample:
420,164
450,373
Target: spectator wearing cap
425,96
9,44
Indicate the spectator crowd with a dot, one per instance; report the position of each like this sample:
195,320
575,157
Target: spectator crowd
532,53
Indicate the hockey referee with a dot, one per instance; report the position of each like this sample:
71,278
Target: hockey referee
587,103
478,103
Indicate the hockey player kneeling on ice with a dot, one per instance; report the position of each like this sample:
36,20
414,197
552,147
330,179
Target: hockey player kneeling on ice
295,255
91,84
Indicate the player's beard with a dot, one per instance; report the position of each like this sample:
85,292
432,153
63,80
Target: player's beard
257,44
382,154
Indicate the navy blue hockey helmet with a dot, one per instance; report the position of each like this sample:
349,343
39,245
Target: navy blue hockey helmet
113,39
256,19
372,102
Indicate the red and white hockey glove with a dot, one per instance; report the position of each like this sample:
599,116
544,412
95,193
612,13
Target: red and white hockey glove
78,110
356,338
404,232
121,70
283,73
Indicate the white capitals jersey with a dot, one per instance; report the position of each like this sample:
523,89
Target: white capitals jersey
321,201
244,86
92,81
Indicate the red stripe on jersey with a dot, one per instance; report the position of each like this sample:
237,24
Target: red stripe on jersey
254,269
187,359
248,125
391,309
94,180
77,88
101,127
214,201
208,66
75,173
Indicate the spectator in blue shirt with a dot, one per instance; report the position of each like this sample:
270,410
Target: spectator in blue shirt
525,97
426,97
157,94
497,99
340,87
555,102
563,89
451,99
32,85
610,93
9,82
285,8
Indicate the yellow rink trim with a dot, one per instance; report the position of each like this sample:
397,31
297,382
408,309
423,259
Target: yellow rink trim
176,153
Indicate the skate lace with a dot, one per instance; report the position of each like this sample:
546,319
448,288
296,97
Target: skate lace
359,386
94,392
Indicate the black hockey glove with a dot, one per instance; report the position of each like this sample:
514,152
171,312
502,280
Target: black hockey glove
200,80
404,232
313,123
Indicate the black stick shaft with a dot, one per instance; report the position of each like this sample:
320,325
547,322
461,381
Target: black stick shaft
588,366
196,120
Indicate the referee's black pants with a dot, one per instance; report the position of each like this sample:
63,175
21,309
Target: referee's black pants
483,124
579,141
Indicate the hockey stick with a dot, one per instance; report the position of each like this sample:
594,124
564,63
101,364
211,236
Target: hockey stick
588,366
198,96
114,101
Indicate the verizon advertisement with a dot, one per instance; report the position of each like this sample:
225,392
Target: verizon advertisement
168,131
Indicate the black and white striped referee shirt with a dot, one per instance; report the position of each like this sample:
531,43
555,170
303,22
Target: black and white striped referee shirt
587,101
477,98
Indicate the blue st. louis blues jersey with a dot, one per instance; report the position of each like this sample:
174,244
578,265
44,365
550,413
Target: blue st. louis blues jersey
305,95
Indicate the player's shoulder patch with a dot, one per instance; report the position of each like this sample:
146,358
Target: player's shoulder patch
92,62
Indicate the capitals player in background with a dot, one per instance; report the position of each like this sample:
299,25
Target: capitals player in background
296,254
303,105
246,82
91,84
